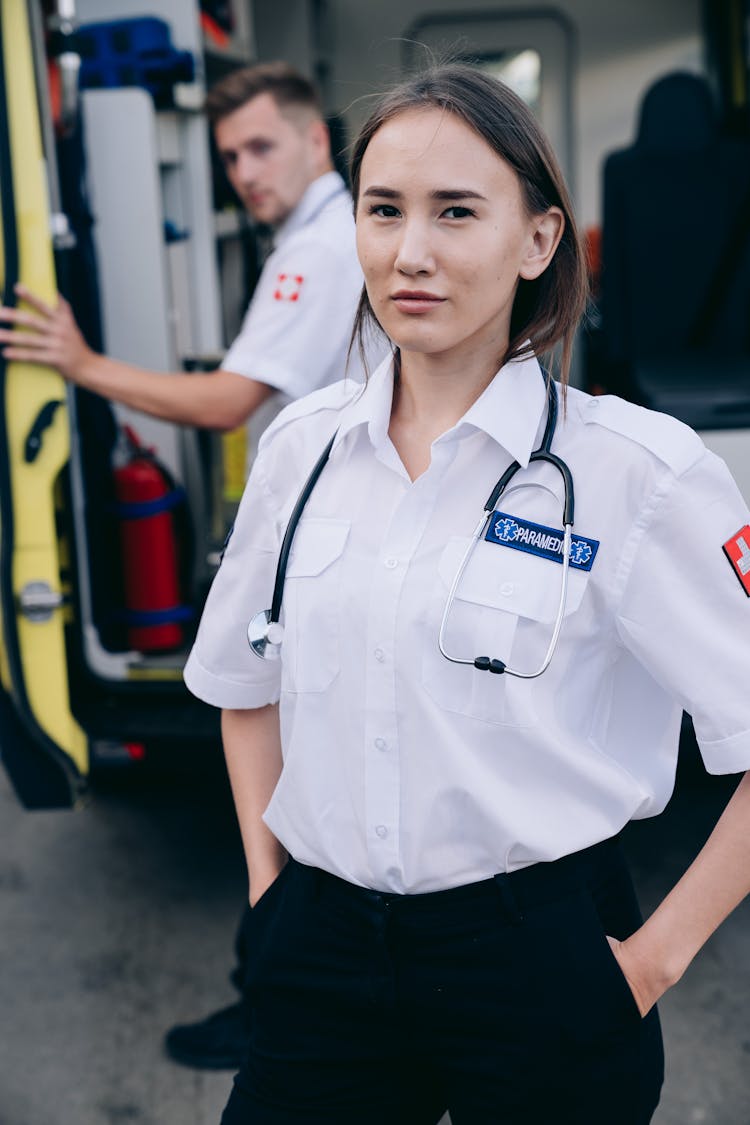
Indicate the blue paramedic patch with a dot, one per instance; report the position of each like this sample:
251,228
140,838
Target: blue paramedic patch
536,539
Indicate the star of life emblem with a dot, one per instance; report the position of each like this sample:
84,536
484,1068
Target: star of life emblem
737,550
580,552
506,530
536,539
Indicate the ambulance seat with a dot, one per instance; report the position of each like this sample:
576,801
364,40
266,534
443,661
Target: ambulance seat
675,287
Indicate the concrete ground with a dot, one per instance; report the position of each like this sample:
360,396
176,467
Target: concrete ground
117,921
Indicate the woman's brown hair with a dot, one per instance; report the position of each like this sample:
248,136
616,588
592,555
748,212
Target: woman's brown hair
547,309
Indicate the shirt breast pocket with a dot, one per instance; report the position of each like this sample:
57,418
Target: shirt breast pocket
311,610
505,607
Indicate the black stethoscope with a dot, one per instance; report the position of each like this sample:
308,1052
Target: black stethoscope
265,632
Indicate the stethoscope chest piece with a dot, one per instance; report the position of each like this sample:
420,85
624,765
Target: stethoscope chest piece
265,636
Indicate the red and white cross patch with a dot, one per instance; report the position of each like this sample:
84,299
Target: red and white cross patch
288,286
737,550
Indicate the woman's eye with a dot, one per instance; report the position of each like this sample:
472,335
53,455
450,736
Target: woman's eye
458,212
384,210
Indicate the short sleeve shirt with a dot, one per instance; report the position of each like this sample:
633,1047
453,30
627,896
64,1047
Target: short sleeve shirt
296,332
406,772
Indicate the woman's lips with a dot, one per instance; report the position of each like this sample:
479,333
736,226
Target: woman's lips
415,300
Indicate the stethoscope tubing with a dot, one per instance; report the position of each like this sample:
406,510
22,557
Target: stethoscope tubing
291,527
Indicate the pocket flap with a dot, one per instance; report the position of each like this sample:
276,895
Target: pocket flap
317,544
519,583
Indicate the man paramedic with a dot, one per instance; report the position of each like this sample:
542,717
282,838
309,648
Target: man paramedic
274,144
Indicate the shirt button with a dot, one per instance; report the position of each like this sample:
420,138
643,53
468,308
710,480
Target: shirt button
507,589
381,831
379,655
390,563
380,743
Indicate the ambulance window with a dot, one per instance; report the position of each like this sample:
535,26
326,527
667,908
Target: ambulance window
533,52
521,70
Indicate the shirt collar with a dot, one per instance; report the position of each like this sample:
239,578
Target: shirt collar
314,199
510,410
371,406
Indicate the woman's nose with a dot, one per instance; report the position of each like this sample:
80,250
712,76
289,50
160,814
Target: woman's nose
415,254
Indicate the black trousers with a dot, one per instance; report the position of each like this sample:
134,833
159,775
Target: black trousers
499,1001
243,946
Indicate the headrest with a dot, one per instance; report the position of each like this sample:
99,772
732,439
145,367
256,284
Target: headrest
678,115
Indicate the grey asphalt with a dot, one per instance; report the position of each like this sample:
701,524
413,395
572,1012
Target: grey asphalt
117,921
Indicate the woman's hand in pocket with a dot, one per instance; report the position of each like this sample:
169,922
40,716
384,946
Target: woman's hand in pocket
644,978
262,879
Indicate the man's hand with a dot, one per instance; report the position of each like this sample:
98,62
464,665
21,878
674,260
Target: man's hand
47,335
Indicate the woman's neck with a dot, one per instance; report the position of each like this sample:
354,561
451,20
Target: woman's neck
429,397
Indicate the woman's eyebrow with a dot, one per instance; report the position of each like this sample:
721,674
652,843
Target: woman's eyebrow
387,193
456,193
439,193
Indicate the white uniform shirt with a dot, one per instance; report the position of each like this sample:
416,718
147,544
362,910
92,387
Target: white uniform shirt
407,773
297,328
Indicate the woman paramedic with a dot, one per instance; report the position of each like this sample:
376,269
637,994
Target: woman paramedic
498,600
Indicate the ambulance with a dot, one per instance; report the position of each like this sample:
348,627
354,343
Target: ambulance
112,523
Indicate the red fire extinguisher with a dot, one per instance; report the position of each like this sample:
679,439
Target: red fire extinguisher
146,503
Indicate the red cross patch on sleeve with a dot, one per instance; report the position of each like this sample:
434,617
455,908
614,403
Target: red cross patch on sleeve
288,286
737,550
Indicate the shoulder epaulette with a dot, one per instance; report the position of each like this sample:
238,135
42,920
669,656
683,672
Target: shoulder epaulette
331,398
671,441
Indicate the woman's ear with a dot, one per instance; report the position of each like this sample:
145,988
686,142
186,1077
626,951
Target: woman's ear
545,233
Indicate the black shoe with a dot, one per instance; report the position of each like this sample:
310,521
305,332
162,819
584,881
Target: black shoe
218,1042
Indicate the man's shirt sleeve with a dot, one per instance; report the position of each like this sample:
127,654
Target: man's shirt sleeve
300,319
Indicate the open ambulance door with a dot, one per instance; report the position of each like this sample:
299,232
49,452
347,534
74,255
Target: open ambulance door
43,749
